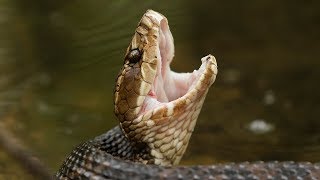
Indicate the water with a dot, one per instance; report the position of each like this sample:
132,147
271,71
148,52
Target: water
59,60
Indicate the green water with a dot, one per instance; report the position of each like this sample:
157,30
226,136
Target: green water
59,60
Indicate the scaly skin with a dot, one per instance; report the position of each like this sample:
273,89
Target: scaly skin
149,134
101,159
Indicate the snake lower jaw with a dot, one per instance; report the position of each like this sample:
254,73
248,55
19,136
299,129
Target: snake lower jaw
166,127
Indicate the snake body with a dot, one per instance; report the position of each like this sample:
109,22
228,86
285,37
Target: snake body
157,109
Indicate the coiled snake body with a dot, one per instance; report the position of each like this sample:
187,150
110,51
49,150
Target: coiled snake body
157,109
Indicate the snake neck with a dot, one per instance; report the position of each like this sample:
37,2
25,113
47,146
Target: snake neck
114,142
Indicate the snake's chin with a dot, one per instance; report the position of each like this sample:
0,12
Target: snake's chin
169,85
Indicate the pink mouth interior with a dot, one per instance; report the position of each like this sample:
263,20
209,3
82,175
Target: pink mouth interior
168,85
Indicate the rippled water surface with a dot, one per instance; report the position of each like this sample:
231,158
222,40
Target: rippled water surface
58,62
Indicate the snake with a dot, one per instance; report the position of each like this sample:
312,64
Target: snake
157,110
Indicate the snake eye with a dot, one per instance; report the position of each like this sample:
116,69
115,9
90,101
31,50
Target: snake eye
134,56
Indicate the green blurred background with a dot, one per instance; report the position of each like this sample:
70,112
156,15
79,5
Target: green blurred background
59,60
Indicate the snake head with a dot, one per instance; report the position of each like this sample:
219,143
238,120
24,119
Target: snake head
155,105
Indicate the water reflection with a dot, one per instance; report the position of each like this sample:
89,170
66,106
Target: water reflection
58,65
260,126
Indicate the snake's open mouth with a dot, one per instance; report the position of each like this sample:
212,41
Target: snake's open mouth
169,85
